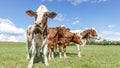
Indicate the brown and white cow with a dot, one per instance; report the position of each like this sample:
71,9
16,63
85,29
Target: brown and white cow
53,41
61,36
84,35
65,37
37,34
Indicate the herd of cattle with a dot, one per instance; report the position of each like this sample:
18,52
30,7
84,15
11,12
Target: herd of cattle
42,38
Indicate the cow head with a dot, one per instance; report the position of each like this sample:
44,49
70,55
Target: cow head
41,15
92,33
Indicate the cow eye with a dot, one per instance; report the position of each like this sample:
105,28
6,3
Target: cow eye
45,15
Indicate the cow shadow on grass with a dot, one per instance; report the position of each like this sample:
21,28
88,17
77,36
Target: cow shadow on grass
56,54
68,54
71,54
39,59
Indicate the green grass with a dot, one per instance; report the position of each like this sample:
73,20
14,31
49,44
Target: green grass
13,55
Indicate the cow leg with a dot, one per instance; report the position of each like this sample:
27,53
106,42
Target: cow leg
45,49
56,46
32,55
49,52
60,51
38,51
64,49
78,49
28,47
52,49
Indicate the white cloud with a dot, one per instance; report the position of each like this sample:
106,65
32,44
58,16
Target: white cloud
47,0
111,35
113,38
107,32
8,38
9,32
98,1
111,26
59,17
77,2
77,20
7,26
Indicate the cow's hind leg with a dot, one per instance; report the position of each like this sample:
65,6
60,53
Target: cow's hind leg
52,52
60,51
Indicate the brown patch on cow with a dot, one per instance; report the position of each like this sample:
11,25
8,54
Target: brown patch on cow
76,39
88,32
52,15
31,13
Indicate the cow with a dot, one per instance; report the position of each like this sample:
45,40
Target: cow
65,37
53,41
61,36
85,35
37,34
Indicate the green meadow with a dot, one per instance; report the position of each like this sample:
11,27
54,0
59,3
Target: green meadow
13,55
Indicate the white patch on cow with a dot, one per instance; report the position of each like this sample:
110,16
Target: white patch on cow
65,54
78,49
40,11
60,54
84,42
52,54
62,26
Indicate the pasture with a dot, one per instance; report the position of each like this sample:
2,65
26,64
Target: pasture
13,55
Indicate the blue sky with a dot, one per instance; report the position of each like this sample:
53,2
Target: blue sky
104,15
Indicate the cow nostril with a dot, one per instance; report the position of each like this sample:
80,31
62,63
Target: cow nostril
35,23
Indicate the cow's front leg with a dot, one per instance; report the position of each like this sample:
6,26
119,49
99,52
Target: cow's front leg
64,49
32,55
78,49
49,52
45,50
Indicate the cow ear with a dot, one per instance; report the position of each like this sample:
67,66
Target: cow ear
31,13
52,15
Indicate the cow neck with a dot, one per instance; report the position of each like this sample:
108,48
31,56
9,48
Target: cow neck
43,31
84,34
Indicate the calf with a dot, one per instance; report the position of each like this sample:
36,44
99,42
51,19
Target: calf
37,34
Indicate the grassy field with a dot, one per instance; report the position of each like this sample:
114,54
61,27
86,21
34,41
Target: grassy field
13,55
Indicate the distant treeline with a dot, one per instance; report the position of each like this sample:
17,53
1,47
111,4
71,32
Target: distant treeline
104,42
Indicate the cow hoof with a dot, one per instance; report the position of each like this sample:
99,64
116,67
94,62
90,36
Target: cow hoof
46,64
49,58
29,66
79,56
65,56
28,57
60,56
